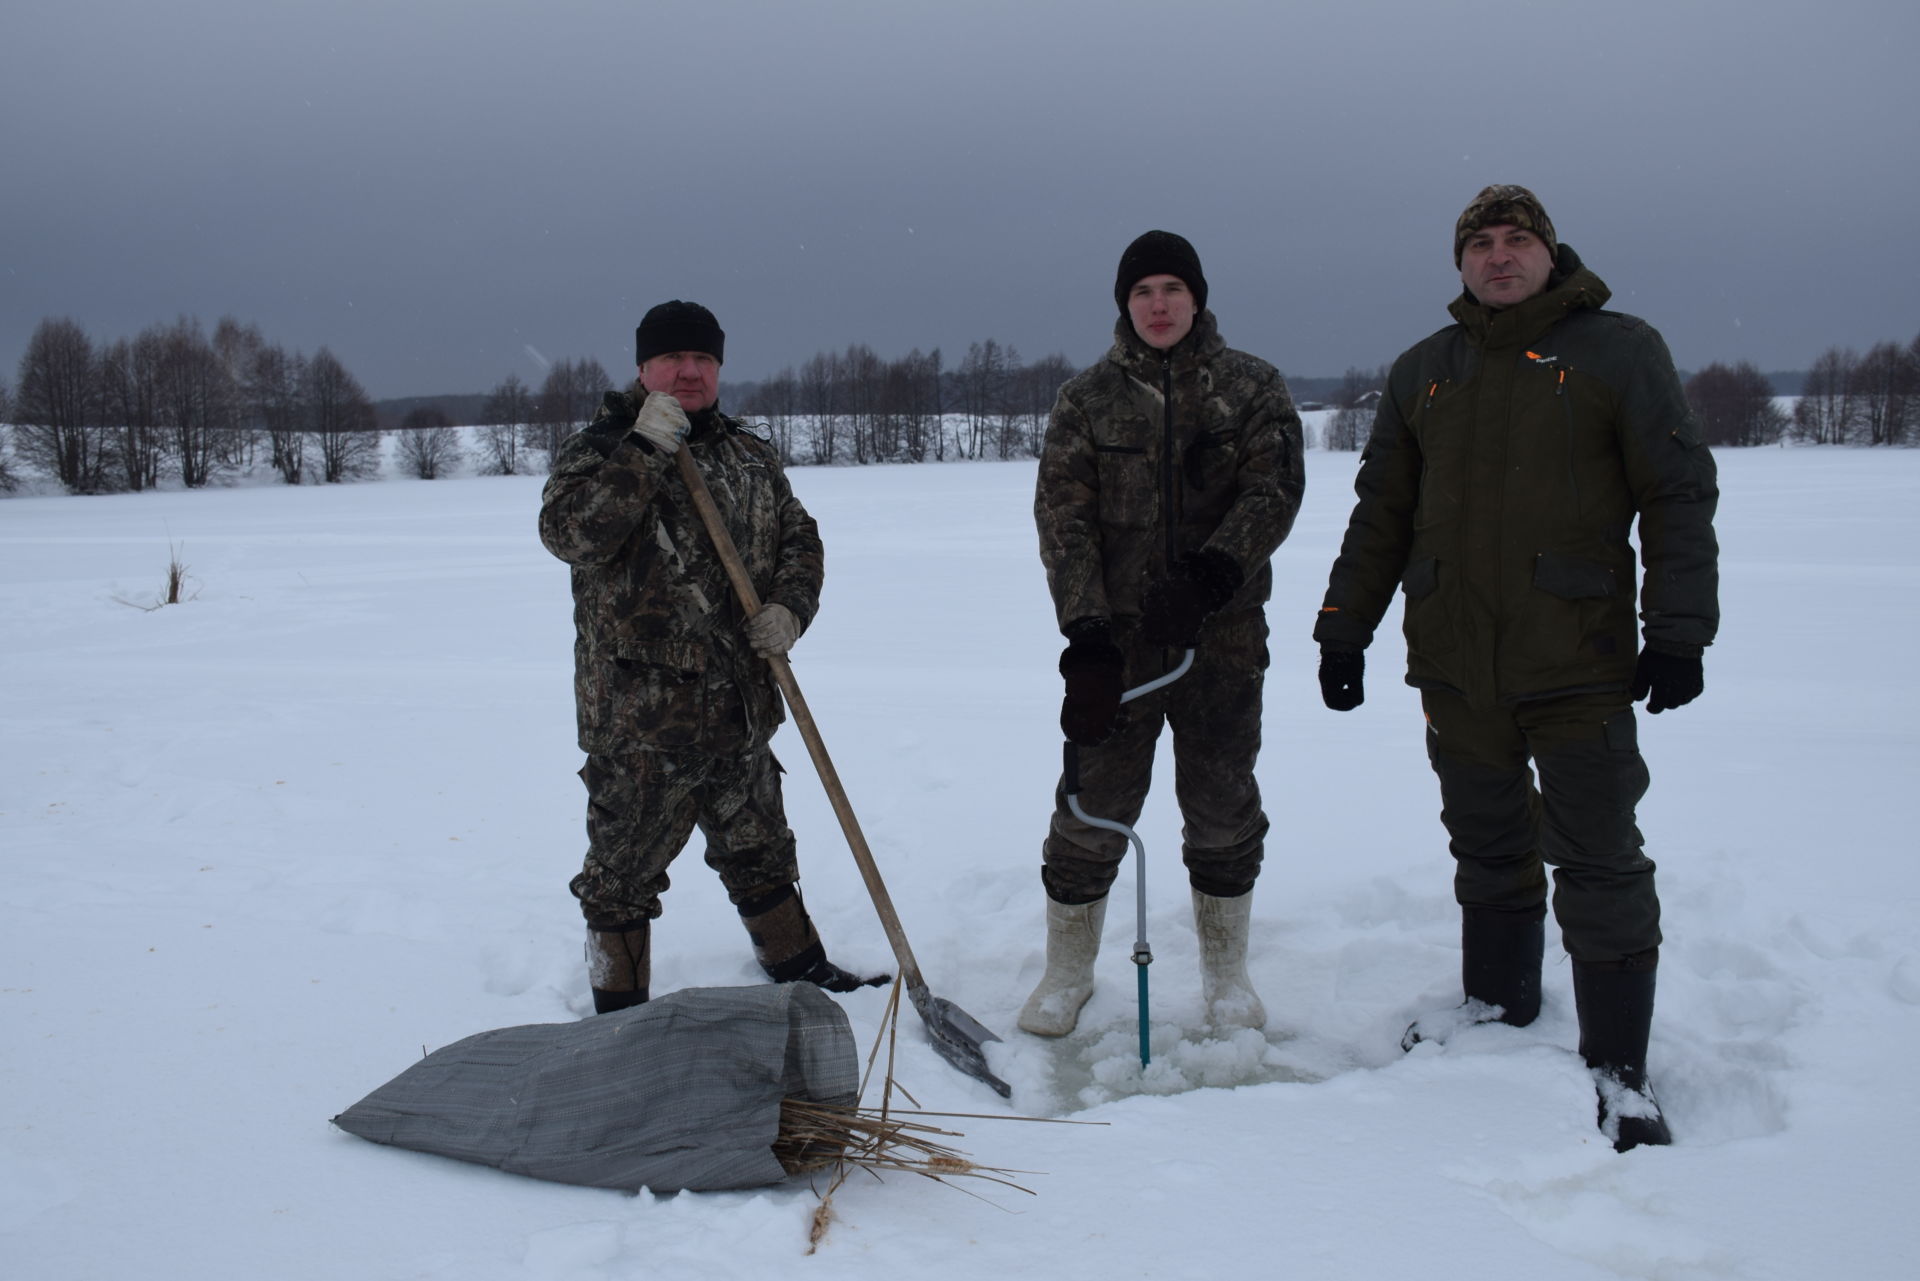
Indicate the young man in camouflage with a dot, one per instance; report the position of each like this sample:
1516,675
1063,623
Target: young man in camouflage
675,702
1511,454
1171,472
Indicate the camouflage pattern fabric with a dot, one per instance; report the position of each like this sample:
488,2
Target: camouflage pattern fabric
1150,456
1504,205
1510,457
643,806
1214,712
1579,820
660,657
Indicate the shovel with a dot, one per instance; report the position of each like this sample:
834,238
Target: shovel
957,1036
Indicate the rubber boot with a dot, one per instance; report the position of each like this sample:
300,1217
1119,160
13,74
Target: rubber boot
1499,973
1615,1004
788,947
1228,993
620,966
1073,941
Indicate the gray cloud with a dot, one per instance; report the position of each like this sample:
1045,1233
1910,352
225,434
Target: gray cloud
432,189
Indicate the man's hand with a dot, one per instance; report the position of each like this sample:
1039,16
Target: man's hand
1177,606
1094,668
773,630
1671,680
1341,678
662,423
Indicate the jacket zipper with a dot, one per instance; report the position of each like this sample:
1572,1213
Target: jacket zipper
1566,406
1166,452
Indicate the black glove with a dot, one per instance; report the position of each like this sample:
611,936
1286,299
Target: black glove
1673,681
1177,606
1092,664
1341,671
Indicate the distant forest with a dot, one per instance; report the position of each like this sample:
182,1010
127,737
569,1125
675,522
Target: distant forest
177,404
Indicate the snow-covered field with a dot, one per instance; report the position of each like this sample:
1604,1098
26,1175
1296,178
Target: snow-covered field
262,848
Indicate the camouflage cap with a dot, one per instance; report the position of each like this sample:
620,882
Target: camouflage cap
1504,205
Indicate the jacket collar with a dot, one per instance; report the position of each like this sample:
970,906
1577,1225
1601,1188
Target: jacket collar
1202,344
1572,287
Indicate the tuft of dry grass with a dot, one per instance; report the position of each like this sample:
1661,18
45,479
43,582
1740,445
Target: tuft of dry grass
176,584
818,1137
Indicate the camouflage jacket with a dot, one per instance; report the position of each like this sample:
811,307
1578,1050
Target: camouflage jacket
660,657
1152,455
1510,456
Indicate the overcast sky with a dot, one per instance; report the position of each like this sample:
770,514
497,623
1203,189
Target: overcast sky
444,192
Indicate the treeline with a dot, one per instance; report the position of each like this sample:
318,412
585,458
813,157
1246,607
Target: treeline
854,407
174,401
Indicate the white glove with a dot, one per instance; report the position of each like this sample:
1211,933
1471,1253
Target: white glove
773,630
662,422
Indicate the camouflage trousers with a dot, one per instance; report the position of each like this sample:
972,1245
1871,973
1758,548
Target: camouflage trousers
643,806
1214,712
1504,830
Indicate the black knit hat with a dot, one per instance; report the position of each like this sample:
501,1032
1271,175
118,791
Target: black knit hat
678,326
1160,253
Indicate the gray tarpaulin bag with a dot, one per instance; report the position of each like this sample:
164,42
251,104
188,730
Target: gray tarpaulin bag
682,1092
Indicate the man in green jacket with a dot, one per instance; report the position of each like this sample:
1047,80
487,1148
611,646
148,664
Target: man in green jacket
675,699
1170,473
1512,454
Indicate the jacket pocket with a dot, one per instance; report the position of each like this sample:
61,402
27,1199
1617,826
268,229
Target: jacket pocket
1572,577
1429,624
657,694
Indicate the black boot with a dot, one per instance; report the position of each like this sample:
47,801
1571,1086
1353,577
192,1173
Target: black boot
1499,970
620,965
1615,1003
787,946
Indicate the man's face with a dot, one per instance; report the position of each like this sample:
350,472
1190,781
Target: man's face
1161,308
691,377
1504,265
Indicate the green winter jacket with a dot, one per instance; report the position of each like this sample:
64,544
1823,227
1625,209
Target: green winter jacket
660,657
1152,455
1510,456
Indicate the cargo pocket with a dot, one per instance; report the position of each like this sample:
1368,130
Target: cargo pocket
659,694
1429,625
1570,611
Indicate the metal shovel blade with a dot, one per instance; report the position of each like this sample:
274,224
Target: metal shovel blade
957,1036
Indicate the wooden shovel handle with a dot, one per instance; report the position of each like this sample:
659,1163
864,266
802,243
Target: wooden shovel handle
802,719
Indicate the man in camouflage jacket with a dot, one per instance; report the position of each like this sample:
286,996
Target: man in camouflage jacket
1171,472
1510,457
675,700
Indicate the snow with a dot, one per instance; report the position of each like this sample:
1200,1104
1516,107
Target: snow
263,848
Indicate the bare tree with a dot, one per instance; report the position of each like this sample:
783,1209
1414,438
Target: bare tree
129,388
195,402
820,391
508,411
1734,404
429,446
55,404
1040,385
567,401
1349,427
339,420
1826,410
8,481
777,399
1884,392
274,387
237,346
